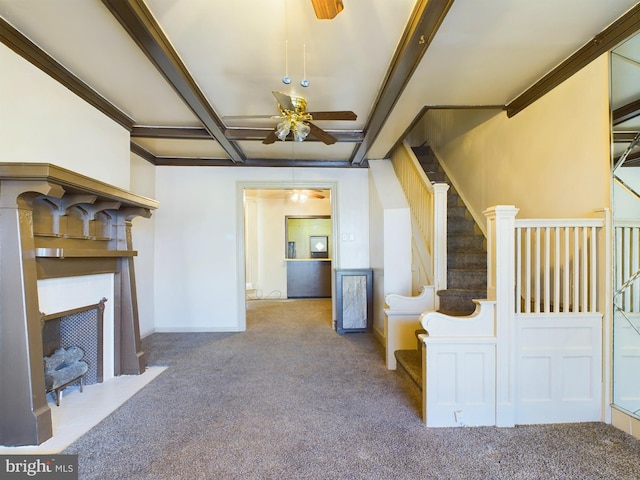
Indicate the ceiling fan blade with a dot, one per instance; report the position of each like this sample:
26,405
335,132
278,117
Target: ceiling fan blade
327,9
271,138
337,115
321,134
284,100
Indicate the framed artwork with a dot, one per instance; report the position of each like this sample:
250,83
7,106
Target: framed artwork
319,246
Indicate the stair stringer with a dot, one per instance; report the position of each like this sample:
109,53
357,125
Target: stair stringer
459,367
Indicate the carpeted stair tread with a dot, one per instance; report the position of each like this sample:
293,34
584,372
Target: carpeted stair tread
411,362
465,243
467,260
466,250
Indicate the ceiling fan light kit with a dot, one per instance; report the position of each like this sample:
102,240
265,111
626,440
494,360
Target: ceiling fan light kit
295,119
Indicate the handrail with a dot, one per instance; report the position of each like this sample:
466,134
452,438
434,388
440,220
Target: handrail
428,206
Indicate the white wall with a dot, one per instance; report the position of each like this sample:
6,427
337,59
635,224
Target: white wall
87,290
551,160
44,122
390,230
199,246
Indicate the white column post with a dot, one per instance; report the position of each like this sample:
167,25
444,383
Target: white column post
605,305
439,240
500,287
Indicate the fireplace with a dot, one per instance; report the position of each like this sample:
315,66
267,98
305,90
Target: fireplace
81,327
60,228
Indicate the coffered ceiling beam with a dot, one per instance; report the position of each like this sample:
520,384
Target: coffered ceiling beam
235,134
626,112
425,21
137,20
24,47
609,38
624,137
142,152
161,160
182,133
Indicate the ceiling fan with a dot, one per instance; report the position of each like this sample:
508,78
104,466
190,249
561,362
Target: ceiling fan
295,120
327,9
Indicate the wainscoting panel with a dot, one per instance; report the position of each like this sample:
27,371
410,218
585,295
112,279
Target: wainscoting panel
459,381
558,368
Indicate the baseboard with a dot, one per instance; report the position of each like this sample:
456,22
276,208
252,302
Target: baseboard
379,336
625,422
195,330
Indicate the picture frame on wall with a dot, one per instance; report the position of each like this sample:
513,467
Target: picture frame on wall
319,246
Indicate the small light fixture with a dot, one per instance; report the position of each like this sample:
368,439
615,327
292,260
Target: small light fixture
298,196
283,129
300,131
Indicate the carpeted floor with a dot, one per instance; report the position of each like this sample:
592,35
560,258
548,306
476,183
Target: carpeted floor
291,399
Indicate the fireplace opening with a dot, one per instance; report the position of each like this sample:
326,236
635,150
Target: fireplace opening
79,328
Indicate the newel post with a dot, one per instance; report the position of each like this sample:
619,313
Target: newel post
501,288
439,240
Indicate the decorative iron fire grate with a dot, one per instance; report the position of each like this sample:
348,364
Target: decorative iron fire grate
81,327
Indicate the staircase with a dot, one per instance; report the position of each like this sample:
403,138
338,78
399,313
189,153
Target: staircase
466,261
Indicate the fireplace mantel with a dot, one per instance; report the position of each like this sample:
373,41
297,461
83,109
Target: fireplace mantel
57,223
71,182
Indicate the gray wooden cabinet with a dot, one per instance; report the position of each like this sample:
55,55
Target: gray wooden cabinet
354,300
308,278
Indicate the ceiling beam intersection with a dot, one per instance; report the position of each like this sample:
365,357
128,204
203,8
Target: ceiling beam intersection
138,21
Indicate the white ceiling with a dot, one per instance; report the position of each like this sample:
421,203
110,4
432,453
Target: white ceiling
486,52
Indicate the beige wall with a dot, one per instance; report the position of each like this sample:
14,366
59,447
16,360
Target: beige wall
551,160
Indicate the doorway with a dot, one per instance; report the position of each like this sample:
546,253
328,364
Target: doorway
268,254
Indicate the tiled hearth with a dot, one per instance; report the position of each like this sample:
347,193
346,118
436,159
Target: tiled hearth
80,412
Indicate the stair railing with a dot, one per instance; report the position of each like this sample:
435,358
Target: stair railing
428,206
537,268
556,265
